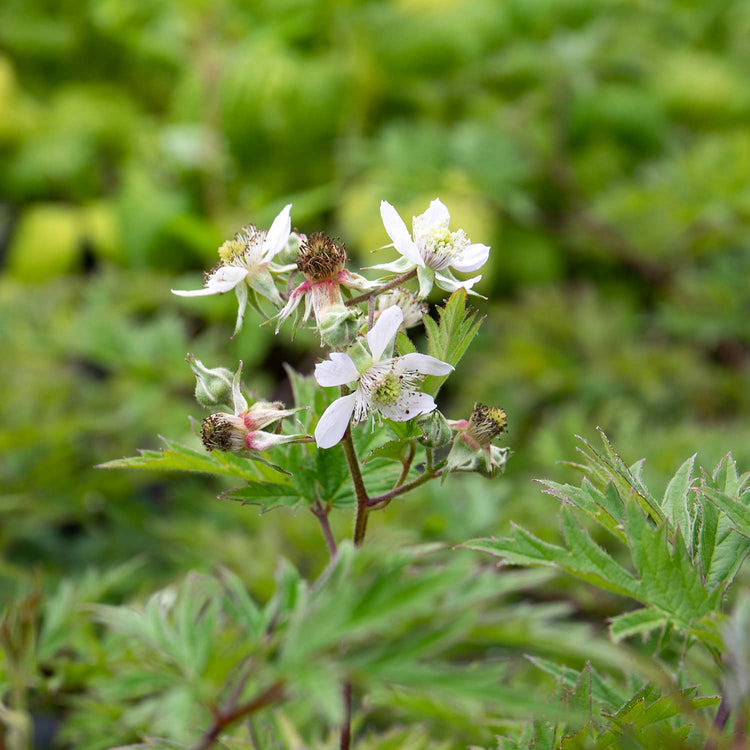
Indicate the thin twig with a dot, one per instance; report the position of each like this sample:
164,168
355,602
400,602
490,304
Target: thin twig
321,512
370,312
385,288
222,720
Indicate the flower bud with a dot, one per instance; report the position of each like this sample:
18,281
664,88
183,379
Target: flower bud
212,386
338,326
436,432
289,252
412,307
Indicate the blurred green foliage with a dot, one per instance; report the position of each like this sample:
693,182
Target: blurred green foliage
602,149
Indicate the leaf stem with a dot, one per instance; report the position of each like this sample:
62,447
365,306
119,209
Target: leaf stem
222,720
406,466
385,288
321,512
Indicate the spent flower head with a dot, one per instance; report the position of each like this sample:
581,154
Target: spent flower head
247,265
322,261
432,249
472,448
242,431
382,384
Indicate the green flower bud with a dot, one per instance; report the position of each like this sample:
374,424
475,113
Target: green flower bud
212,387
436,432
338,327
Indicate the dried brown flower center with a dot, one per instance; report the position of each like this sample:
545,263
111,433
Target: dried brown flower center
486,423
321,258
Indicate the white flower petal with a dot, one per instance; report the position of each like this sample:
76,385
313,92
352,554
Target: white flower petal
408,406
384,331
398,232
436,213
423,363
338,370
472,258
223,280
278,234
194,292
333,423
450,285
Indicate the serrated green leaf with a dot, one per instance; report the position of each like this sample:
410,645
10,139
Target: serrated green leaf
676,503
601,690
639,621
721,549
449,339
393,450
587,557
404,344
265,494
669,580
737,510
178,457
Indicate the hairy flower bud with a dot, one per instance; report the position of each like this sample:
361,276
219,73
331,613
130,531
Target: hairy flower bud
320,258
212,386
338,326
436,432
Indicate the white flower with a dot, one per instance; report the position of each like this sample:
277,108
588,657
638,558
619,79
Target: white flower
249,258
432,248
385,385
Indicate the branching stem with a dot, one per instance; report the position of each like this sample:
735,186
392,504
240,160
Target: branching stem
223,719
380,501
385,288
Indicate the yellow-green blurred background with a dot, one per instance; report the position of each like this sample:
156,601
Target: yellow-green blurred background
601,148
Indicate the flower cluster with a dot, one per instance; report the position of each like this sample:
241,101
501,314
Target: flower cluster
358,320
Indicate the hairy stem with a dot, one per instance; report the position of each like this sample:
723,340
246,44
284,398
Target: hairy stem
222,720
360,492
385,288
321,512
